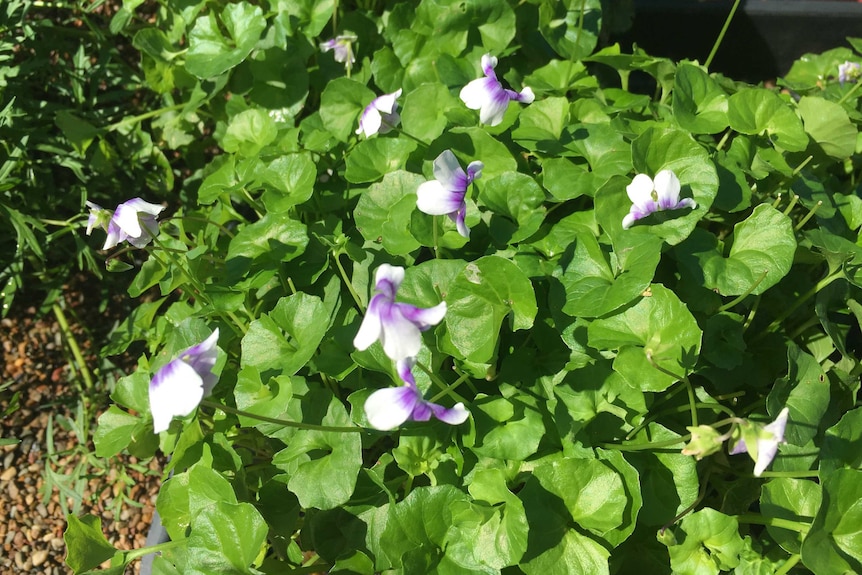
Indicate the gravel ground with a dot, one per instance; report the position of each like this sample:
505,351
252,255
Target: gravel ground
38,488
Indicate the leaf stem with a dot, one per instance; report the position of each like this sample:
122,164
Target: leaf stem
721,35
692,400
142,117
729,305
348,283
789,564
285,422
130,556
755,519
799,301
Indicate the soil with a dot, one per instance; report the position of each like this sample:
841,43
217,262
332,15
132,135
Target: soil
49,472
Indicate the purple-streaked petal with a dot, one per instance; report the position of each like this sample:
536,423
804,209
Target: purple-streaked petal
449,173
202,358
114,237
390,407
435,200
369,122
387,279
370,329
685,203
175,390
488,64
494,109
454,415
526,96
328,45
474,171
768,447
389,121
404,367
126,218
460,221
422,318
667,189
140,205
640,192
399,336
739,447
478,92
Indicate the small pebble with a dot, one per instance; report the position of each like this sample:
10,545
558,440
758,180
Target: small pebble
9,473
39,557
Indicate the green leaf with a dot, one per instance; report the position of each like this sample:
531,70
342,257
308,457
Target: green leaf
86,545
249,132
658,326
385,207
706,542
842,444
476,144
114,431
505,428
80,133
289,181
226,538
699,103
763,247
211,53
541,124
516,200
598,280
833,546
805,391
268,242
322,465
793,500
372,159
340,104
311,16
287,337
756,110
828,124
480,297
423,114
571,27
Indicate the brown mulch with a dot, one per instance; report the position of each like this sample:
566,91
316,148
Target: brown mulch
31,502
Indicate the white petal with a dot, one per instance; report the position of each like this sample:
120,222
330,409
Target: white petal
629,220
488,64
370,121
448,171
369,330
394,275
476,93
400,337
433,199
640,192
423,318
667,188
493,111
386,103
126,218
455,415
388,408
140,205
175,390
526,96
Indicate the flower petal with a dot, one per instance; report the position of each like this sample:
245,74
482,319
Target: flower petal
202,358
453,416
478,92
526,96
400,336
460,221
175,390
140,205
449,173
488,64
114,237
390,407
387,102
370,329
685,203
126,218
387,279
640,193
667,189
435,200
369,122
423,318
739,447
474,171
494,109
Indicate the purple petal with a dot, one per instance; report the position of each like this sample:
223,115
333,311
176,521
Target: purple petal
474,171
387,280
459,218
435,200
453,416
449,173
738,448
370,329
175,390
404,367
114,237
477,93
390,407
423,318
202,358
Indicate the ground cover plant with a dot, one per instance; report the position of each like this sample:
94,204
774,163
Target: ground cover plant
453,288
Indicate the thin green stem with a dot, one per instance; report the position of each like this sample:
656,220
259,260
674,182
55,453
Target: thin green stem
73,346
850,92
436,244
788,565
136,553
723,141
440,383
409,135
721,34
754,519
800,300
801,166
348,283
727,306
679,409
701,494
285,422
142,117
792,203
452,386
692,400
808,216
646,446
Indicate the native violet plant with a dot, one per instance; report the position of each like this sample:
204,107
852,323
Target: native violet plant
650,282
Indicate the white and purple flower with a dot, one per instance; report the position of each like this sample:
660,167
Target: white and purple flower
396,325
488,95
648,196
381,115
180,385
388,408
445,195
849,72
342,49
763,442
133,221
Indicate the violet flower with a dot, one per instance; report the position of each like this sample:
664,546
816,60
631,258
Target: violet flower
388,408
396,325
849,72
381,115
445,195
650,196
178,387
342,49
133,221
766,444
488,95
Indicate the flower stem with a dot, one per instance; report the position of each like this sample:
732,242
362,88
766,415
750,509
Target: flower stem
142,117
646,446
789,564
285,422
692,400
754,519
447,389
136,553
808,216
721,35
348,283
729,305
